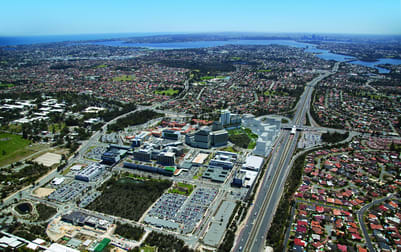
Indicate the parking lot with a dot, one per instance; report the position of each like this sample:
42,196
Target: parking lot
167,206
110,138
182,209
68,192
309,139
87,199
194,209
95,153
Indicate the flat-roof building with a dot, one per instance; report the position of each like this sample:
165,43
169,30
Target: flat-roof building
140,138
55,247
171,134
202,137
142,155
225,117
239,179
168,171
90,172
205,138
253,163
200,159
166,158
110,157
10,242
221,163
219,138
216,173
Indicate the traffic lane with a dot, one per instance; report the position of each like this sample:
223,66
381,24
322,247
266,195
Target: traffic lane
260,198
267,218
305,97
266,215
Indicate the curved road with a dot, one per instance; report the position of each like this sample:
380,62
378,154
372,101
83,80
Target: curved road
252,236
361,213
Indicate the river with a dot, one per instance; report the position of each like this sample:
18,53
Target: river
323,54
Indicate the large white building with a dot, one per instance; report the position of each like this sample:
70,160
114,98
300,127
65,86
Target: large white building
90,172
253,163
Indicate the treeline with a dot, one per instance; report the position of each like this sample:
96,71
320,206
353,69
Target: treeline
111,114
395,147
81,101
75,103
136,118
28,232
334,137
128,198
30,173
130,232
45,212
296,92
203,67
22,96
242,140
228,241
166,243
24,177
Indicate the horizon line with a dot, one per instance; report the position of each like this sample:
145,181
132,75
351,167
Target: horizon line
201,32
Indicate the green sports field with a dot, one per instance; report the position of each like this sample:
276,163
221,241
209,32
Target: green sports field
12,146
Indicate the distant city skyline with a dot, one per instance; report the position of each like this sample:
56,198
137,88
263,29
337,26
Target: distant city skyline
45,17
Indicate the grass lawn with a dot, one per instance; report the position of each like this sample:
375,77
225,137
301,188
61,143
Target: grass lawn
168,92
124,78
264,71
6,85
176,189
101,66
11,145
230,149
207,77
268,93
252,145
212,77
147,249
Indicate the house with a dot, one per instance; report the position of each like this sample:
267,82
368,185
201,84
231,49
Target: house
299,242
317,245
342,248
360,249
376,227
356,237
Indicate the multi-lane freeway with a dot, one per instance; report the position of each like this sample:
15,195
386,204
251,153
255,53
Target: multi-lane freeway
252,236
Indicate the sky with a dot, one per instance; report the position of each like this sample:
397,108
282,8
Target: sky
61,17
